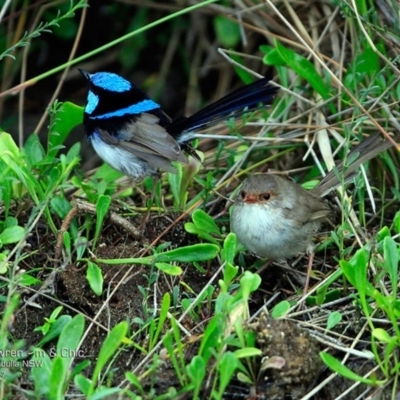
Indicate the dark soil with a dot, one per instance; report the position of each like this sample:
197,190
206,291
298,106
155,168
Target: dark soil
122,300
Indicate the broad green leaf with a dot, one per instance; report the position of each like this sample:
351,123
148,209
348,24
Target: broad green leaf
82,383
226,367
12,235
114,339
280,309
197,252
8,146
334,318
382,335
95,278
69,339
40,371
301,66
272,56
227,31
57,380
228,252
33,150
202,220
169,269
67,117
190,227
196,370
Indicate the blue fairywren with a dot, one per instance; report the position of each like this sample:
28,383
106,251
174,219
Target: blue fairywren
130,132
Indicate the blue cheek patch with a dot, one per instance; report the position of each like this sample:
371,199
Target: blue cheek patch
138,108
92,102
110,82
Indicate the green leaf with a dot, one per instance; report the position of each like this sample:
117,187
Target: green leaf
230,272
226,367
82,383
391,254
280,309
60,205
69,339
134,380
211,336
227,31
33,150
272,56
228,252
169,268
245,76
190,227
114,339
102,207
155,334
356,272
301,66
336,366
247,352
202,220
26,279
196,369
12,234
396,222
8,147
382,335
366,62
55,329
334,318
105,393
175,182
196,372
66,117
197,252
58,377
40,372
249,283
95,278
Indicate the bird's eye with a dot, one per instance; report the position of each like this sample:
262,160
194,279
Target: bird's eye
242,194
265,196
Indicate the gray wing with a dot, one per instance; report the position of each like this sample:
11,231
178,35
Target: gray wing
147,140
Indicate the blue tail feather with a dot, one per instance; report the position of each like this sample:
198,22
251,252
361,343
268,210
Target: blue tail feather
248,98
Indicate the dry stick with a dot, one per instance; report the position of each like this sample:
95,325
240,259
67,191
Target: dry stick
82,206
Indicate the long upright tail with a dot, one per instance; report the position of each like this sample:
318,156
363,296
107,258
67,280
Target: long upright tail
248,98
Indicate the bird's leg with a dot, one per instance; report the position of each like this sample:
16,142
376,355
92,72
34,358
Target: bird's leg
311,253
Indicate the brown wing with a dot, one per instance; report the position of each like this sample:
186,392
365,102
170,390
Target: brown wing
149,141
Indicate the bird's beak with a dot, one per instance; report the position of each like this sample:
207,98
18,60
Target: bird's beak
85,73
251,198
